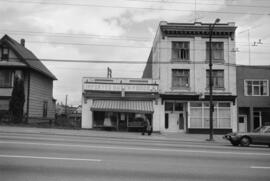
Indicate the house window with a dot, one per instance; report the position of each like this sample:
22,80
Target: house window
5,79
180,78
217,78
4,54
256,88
217,51
180,51
45,109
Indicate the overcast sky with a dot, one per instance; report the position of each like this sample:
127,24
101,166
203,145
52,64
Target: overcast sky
121,30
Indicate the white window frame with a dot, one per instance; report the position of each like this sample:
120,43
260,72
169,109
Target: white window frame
246,89
217,108
179,51
187,86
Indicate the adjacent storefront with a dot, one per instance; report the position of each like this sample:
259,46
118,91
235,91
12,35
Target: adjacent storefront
118,104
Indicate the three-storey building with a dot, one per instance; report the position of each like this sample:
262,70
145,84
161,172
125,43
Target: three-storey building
179,60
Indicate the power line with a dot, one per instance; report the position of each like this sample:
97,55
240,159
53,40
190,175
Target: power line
110,37
35,33
103,61
123,46
132,7
211,4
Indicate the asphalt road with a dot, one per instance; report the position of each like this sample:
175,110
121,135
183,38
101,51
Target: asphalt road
34,157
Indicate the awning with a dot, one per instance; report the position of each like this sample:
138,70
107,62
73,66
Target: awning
123,106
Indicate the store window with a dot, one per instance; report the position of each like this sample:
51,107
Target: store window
168,106
180,78
180,51
199,115
217,51
174,106
217,78
256,88
5,79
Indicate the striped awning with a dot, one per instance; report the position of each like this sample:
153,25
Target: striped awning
123,106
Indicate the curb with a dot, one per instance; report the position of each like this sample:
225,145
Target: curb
142,138
153,137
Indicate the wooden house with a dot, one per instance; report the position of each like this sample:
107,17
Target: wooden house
16,59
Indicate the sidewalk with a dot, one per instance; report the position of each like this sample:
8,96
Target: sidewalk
111,134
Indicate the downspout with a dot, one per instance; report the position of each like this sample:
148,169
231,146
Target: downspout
28,97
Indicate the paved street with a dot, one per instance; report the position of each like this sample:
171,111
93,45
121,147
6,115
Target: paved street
31,156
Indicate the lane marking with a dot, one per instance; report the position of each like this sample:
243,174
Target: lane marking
260,167
138,148
50,158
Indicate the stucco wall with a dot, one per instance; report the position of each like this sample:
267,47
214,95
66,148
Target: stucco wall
196,64
87,117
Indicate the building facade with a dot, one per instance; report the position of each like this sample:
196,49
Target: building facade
253,97
179,60
119,103
16,59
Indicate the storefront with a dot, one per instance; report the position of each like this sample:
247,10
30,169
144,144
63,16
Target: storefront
118,104
190,114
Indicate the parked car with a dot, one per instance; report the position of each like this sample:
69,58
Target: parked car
260,136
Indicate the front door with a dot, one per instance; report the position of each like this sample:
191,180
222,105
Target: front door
242,123
176,122
257,119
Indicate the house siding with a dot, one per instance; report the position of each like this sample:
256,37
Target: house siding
40,90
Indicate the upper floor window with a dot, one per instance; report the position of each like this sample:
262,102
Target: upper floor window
180,78
217,51
180,51
5,79
256,88
5,54
217,78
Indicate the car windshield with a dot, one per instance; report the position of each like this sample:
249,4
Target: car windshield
260,129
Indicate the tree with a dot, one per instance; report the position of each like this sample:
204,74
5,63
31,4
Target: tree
17,101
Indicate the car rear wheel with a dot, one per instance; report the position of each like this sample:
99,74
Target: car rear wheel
245,141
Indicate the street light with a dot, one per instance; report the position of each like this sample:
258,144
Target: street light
211,107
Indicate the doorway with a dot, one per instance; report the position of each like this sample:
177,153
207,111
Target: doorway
242,123
257,119
175,116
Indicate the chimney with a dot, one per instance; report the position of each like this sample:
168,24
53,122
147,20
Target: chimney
23,42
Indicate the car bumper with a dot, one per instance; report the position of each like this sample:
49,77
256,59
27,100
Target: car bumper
231,138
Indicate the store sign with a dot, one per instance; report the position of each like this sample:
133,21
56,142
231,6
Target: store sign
4,104
120,87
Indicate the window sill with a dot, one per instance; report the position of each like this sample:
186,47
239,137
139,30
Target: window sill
256,95
180,89
215,88
216,61
180,61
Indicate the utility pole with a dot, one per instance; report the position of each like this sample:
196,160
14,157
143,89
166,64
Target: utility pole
66,105
211,106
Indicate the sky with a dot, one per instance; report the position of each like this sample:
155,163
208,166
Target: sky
121,30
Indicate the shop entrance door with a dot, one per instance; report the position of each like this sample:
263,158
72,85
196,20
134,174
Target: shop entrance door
242,123
257,119
176,122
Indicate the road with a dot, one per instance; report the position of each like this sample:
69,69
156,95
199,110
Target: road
43,157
